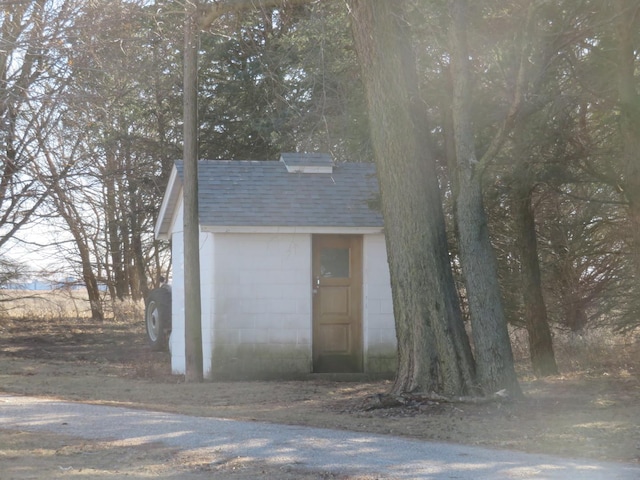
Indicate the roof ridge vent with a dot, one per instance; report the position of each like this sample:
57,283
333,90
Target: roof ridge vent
307,162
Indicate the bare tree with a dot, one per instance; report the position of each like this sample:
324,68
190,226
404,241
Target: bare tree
74,218
125,142
28,30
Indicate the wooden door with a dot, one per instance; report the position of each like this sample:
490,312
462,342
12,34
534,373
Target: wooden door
337,303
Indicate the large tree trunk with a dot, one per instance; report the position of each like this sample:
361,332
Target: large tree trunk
494,358
627,22
433,349
543,361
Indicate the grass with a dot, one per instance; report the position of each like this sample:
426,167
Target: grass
594,350
56,305
591,409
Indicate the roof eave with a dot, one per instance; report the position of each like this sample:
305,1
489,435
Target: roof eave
168,206
355,230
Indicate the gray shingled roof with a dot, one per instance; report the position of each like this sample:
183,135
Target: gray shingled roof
263,193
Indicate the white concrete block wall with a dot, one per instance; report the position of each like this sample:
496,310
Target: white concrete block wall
262,304
257,305
207,289
176,341
378,322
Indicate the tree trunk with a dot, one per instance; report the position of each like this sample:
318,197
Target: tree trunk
124,222
627,22
114,231
89,278
568,280
66,209
494,358
433,349
140,287
193,306
543,361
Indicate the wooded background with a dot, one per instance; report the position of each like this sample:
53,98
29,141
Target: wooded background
506,136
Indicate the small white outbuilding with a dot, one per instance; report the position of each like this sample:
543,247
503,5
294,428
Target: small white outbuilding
294,273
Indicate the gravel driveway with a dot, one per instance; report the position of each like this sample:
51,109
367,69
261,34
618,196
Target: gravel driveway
310,448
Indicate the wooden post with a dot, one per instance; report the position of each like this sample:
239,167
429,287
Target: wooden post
193,308
192,296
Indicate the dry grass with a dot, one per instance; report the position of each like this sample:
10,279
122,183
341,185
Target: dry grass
597,350
44,304
594,350
592,409
56,305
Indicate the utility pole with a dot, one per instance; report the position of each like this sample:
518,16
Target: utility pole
192,296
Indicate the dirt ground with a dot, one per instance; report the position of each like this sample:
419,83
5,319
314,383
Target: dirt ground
592,410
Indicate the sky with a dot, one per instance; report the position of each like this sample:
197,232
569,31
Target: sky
38,248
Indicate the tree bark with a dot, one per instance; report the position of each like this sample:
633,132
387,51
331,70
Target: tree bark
573,304
543,361
627,22
193,306
140,287
433,349
117,282
89,278
494,358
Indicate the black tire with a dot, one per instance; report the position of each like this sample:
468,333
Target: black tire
157,316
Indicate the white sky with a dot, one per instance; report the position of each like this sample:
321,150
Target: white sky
35,247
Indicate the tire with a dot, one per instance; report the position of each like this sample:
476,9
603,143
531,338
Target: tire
157,317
